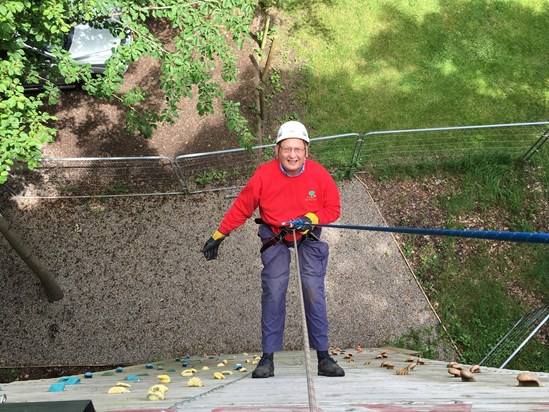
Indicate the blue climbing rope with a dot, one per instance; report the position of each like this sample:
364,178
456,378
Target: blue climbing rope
528,237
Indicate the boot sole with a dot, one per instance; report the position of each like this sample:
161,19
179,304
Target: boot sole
263,377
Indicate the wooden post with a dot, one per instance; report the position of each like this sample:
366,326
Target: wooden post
264,76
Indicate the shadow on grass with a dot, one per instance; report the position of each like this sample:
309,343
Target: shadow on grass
470,62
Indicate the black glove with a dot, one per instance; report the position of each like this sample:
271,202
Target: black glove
305,223
212,245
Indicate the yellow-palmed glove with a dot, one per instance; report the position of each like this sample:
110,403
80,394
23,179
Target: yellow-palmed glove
212,245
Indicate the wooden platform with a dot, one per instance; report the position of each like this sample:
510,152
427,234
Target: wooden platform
366,387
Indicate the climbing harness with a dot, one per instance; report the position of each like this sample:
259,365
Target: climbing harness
280,237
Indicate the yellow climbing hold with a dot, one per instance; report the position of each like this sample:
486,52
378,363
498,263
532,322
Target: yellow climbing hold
158,388
164,378
195,382
219,375
118,389
155,396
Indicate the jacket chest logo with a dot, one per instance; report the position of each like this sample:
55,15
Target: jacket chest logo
311,196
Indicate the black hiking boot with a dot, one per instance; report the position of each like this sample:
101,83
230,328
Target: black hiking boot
329,367
264,369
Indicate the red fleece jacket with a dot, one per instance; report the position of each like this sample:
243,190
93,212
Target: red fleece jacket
282,198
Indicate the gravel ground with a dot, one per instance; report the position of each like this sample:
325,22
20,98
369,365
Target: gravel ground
137,288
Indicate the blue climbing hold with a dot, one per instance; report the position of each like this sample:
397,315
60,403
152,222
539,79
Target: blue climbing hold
57,387
149,366
88,375
69,380
119,369
132,378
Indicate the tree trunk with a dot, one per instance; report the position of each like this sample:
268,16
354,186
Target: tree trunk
51,287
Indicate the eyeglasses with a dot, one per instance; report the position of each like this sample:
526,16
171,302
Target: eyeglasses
296,150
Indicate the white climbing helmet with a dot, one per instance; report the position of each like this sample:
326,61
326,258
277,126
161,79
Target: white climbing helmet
292,129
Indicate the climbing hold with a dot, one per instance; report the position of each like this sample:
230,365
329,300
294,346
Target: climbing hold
164,378
119,369
525,379
69,380
195,382
132,378
149,366
88,375
57,387
123,385
219,375
118,390
403,371
454,371
466,376
155,396
158,387
388,365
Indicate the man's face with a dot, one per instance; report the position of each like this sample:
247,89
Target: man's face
292,154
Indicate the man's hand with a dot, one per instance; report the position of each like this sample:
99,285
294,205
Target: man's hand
305,223
212,245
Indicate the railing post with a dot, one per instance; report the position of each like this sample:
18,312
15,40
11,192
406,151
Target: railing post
536,147
355,156
178,174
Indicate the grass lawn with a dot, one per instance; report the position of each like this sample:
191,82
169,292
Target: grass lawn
395,64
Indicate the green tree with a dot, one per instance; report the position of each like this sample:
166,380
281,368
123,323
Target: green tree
206,34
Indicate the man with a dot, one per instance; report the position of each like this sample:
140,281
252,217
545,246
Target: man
288,188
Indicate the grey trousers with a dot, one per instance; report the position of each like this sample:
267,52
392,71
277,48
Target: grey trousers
313,260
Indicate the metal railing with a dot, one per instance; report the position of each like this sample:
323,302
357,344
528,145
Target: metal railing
518,336
225,169
228,168
520,140
101,176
